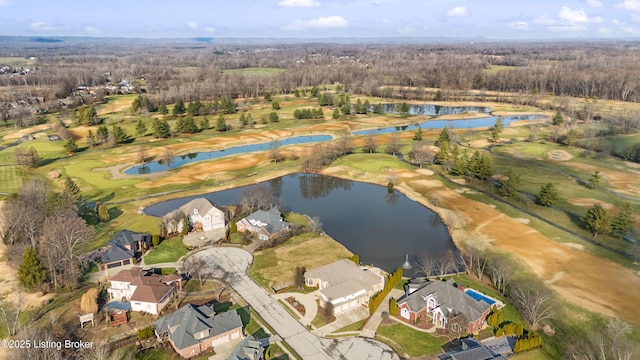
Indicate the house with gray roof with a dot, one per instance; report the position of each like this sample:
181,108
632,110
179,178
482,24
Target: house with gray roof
248,349
442,301
193,330
267,224
123,248
344,284
472,349
202,215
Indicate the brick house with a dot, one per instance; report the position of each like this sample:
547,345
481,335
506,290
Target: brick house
441,301
192,330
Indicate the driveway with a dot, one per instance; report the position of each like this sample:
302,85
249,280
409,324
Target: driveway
232,264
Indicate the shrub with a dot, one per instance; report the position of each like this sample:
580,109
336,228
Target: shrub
145,333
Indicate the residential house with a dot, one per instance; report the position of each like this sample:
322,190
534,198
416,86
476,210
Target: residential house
123,248
441,301
472,349
248,349
192,330
202,215
344,284
146,291
267,224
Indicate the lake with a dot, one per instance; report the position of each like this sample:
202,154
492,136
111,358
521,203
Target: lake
176,161
379,225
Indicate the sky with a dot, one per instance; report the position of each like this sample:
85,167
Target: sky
491,19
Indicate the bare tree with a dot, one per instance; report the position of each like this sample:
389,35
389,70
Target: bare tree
475,262
167,157
501,271
257,197
196,266
275,152
316,224
39,336
428,264
142,154
370,143
457,325
421,154
11,314
394,144
535,301
445,263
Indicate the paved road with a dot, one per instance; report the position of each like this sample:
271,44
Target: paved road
232,263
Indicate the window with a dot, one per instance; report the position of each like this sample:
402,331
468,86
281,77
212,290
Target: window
405,313
217,215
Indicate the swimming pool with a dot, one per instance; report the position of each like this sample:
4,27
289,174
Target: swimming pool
478,296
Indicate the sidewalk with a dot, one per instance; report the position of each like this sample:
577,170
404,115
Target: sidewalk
307,300
376,318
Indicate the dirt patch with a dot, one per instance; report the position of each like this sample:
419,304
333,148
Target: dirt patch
20,133
559,155
521,220
588,202
425,172
575,246
621,181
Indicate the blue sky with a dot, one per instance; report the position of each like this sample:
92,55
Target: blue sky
493,19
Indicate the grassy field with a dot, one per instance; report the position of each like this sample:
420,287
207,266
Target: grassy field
498,68
11,178
169,250
412,342
274,267
257,71
17,61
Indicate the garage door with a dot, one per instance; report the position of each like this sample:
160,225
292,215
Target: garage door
220,340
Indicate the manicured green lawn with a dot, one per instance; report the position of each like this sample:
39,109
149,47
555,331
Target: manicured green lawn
169,250
11,178
413,342
356,326
372,163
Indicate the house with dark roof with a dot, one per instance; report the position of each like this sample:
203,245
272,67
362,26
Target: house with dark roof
202,215
147,292
123,249
248,349
472,349
267,224
442,301
192,330
344,284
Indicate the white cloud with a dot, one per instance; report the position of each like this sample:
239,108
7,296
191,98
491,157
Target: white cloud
597,20
458,11
209,29
192,24
544,20
605,31
92,30
519,25
594,3
633,5
573,16
45,26
298,3
319,23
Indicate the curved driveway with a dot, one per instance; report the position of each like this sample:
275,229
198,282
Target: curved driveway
232,263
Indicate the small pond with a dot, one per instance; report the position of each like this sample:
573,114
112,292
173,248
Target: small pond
457,124
379,225
162,165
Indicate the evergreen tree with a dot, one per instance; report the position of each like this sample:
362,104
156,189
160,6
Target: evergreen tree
377,108
267,96
596,180
227,106
438,96
161,128
194,108
314,91
557,119
135,105
243,119
403,109
70,145
221,124
71,190
418,135
597,220
91,140
102,134
249,119
273,117
275,105
443,152
393,307
497,129
204,124
336,114
141,128
186,226
323,100
365,107
443,136
508,185
623,221
179,108
485,170
346,108
119,135
162,109
186,125
296,93
31,272
571,137
548,195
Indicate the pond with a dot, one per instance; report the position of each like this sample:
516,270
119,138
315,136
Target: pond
451,124
379,225
162,165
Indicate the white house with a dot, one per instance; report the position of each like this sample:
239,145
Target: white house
202,215
344,284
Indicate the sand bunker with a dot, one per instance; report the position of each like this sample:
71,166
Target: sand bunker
588,202
559,155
